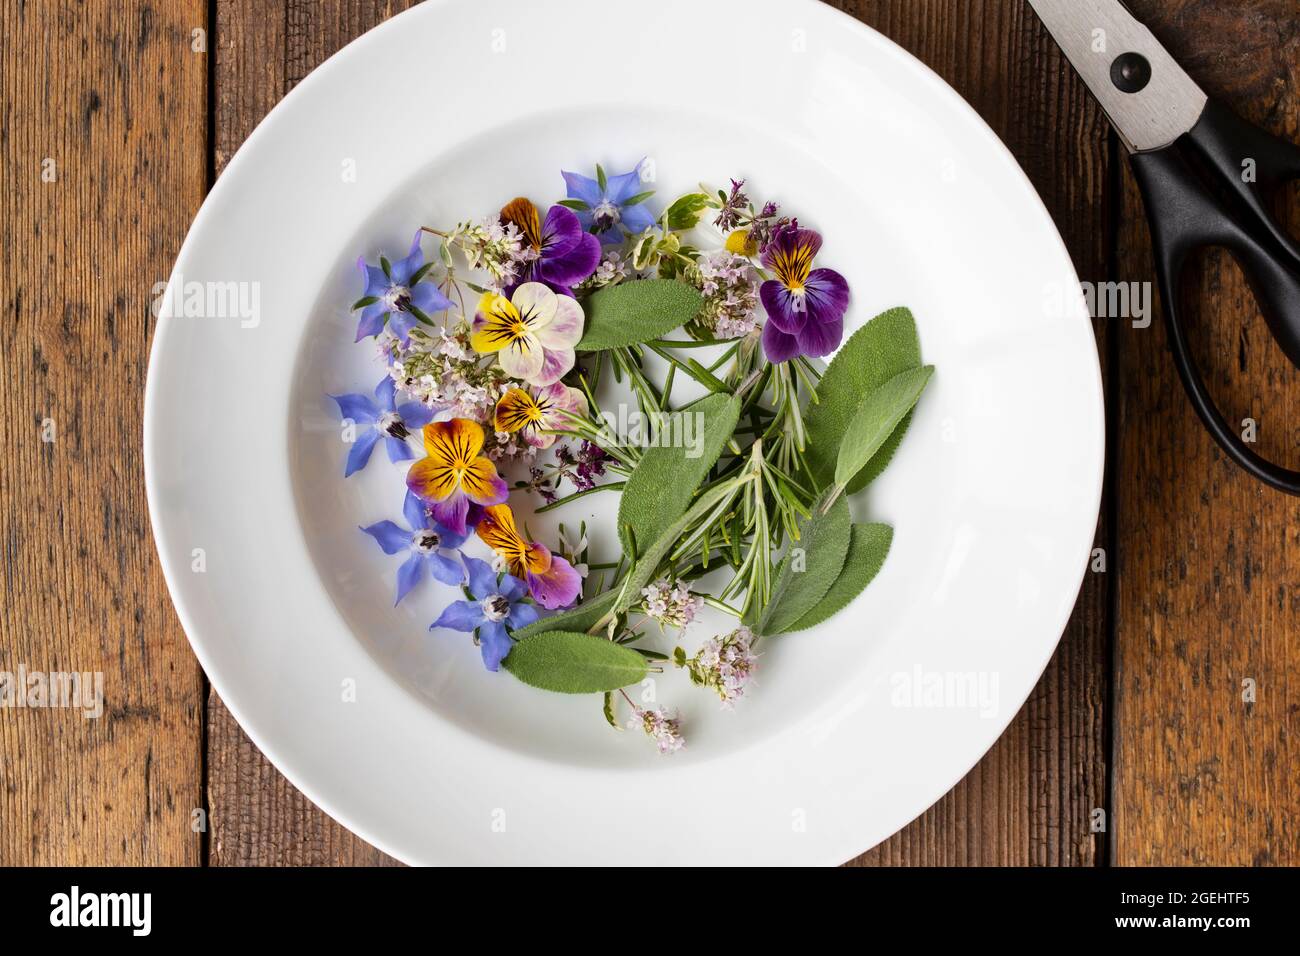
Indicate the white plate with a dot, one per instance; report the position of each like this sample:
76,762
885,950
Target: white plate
445,112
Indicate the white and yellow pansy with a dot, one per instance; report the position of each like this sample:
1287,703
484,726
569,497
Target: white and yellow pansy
532,333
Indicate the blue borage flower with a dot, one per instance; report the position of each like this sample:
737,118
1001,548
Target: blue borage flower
382,418
610,203
498,604
396,293
431,546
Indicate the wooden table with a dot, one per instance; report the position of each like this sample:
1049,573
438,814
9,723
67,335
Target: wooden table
1139,745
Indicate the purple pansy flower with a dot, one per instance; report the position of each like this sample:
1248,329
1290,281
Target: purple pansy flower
805,306
430,546
400,296
565,253
383,419
608,206
498,604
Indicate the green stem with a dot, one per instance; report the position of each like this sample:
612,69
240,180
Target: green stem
719,605
666,404
612,486
725,356
685,343
691,368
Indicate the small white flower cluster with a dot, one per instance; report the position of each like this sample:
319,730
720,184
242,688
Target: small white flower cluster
613,269
664,729
671,603
730,288
726,664
498,249
443,371
506,446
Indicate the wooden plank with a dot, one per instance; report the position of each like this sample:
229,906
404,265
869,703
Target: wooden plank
1030,801
263,49
259,818
108,102
1209,596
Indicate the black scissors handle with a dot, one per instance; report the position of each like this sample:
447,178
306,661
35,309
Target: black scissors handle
1212,187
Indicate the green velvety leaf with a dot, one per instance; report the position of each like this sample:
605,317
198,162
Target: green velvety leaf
580,618
664,481
868,546
635,312
876,418
810,568
568,662
643,571
874,354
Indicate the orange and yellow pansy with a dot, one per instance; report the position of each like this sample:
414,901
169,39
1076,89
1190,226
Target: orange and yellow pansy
455,473
552,581
537,415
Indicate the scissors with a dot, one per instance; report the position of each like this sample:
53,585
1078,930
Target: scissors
1207,178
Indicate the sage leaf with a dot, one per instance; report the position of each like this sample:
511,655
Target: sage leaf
811,566
868,547
634,312
875,420
569,662
648,562
881,349
580,618
661,486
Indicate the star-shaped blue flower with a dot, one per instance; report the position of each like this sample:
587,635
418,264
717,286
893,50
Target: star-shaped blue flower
396,293
608,206
381,417
498,604
430,546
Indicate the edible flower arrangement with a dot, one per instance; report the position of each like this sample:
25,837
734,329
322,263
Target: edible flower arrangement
733,459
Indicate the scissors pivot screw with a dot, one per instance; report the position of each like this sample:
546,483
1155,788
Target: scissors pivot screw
1130,72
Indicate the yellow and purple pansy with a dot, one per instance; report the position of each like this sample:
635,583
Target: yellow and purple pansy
396,293
552,581
532,333
565,254
805,306
454,473
539,414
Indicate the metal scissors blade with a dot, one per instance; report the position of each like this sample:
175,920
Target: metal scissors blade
1150,100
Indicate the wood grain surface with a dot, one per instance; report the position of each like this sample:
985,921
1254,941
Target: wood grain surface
1209,576
1140,713
103,138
